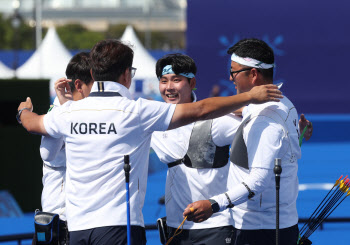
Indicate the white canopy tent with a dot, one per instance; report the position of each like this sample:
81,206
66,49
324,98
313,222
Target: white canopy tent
145,64
5,72
49,60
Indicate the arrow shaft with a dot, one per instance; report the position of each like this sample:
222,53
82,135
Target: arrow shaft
316,210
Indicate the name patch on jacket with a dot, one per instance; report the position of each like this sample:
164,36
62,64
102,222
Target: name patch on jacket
92,128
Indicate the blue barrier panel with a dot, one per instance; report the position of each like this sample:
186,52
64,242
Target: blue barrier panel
310,40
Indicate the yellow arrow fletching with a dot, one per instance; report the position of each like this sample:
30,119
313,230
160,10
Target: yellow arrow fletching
336,183
348,193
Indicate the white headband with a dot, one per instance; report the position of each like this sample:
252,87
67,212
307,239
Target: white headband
169,70
251,62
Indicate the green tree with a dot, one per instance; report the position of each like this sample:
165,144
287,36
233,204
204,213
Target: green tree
3,31
11,38
115,31
159,40
76,36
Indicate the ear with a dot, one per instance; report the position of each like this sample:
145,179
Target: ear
78,84
255,77
128,72
92,75
193,83
123,77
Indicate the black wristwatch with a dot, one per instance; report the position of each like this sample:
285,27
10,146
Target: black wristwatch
214,206
18,116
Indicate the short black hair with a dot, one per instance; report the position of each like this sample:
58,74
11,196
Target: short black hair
180,63
256,49
109,59
79,68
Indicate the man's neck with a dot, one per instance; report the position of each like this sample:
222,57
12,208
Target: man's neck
76,96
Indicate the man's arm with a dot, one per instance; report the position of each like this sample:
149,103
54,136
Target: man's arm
31,121
257,181
238,112
219,106
50,147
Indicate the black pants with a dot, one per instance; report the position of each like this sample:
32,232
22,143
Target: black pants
288,236
109,235
64,234
211,236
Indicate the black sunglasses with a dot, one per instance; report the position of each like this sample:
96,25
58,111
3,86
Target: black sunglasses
133,71
236,72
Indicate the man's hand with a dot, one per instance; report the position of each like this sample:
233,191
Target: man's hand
30,120
63,90
198,211
27,104
265,93
303,122
238,112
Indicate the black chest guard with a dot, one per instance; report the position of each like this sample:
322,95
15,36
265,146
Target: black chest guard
239,153
202,152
